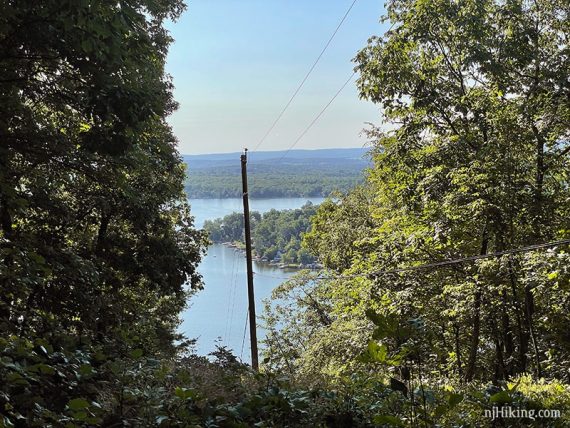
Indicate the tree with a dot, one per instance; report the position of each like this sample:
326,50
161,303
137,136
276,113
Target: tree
475,161
480,93
338,226
96,238
304,256
271,232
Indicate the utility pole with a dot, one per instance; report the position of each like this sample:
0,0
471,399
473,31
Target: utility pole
250,294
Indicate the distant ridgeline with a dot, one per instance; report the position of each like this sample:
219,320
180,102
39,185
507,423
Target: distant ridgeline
301,173
276,235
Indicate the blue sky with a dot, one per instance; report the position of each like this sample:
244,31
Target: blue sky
235,63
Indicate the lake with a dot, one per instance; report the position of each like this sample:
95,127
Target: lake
218,313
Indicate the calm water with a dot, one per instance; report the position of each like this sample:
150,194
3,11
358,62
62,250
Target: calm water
219,312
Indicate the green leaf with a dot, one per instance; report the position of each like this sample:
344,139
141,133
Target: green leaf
379,352
397,385
388,420
375,352
85,369
454,399
185,393
16,378
385,326
78,404
45,369
80,415
136,353
501,397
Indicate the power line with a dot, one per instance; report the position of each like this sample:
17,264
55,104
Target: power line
244,333
442,263
323,110
317,117
462,260
234,289
304,79
228,321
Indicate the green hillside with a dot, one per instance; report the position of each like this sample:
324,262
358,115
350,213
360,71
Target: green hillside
315,173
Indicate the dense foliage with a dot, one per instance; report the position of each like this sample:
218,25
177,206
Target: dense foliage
96,240
476,162
275,234
274,181
192,391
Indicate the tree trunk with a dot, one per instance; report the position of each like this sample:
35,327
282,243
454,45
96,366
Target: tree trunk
458,351
472,360
6,225
102,233
5,217
538,235
507,338
520,311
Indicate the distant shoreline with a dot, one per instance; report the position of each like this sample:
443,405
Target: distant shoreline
282,266
258,198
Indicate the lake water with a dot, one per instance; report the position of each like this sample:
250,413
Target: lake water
218,313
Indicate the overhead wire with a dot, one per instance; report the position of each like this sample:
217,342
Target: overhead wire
244,333
316,118
322,112
226,330
442,263
280,115
234,288
460,260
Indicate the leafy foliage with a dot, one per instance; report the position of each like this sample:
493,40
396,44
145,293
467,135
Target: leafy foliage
476,163
275,234
96,239
318,178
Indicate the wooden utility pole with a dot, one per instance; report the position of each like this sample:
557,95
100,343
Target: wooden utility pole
250,294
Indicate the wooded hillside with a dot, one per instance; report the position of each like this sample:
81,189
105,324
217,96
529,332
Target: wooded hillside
279,174
445,293
276,234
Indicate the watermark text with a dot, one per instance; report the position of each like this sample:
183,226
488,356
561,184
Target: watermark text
508,412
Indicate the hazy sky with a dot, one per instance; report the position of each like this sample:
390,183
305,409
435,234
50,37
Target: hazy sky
235,63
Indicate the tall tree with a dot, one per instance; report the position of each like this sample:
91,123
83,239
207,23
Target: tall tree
95,232
480,95
475,160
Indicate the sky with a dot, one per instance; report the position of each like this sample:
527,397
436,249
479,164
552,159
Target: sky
236,63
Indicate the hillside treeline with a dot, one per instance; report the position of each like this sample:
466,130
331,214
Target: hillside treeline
279,182
276,235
